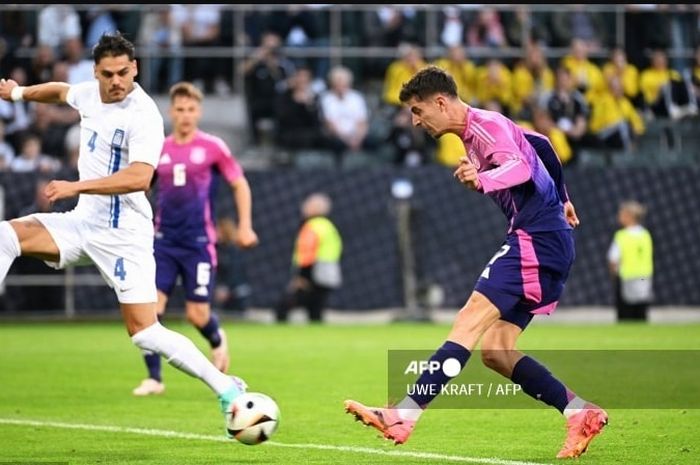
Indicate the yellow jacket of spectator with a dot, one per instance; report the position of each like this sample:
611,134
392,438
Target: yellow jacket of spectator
318,240
449,150
319,246
609,111
525,86
652,80
629,78
500,90
636,248
396,75
585,73
561,145
464,74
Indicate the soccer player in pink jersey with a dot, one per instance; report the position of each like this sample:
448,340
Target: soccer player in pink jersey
521,172
190,164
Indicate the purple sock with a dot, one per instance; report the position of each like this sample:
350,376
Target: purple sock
538,383
153,365
152,360
210,331
429,385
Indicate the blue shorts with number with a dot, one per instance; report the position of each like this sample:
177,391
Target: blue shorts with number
527,275
196,265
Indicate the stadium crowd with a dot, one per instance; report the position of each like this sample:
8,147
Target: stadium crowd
576,100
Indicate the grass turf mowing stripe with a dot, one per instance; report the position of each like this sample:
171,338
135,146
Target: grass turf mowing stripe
204,437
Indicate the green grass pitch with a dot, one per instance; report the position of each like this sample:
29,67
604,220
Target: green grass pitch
54,376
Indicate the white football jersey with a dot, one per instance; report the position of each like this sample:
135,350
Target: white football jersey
112,136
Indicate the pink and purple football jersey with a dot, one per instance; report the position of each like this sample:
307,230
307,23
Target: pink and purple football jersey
514,173
521,172
187,181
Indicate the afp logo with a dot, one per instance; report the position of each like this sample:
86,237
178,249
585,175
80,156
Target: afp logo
450,367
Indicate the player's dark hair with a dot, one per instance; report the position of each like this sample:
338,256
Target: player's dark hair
112,45
426,82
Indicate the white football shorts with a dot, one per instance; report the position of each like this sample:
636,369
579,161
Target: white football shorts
123,256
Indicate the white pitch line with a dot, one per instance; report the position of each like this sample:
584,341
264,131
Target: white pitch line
204,437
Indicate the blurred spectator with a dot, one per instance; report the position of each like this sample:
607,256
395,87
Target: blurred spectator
494,86
646,27
683,27
614,120
296,25
533,82
60,70
266,72
486,30
38,298
297,114
80,68
627,73
52,122
631,263
462,69
392,25
452,32
569,109
161,33
575,22
127,18
344,114
17,28
666,93
201,28
588,78
299,26
72,148
410,61
7,153
99,21
56,24
31,158
255,25
41,65
696,75
412,146
316,269
543,123
389,26
15,115
520,24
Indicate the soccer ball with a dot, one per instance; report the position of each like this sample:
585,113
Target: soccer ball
253,418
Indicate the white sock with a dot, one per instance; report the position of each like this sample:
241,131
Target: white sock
181,353
9,248
408,409
574,406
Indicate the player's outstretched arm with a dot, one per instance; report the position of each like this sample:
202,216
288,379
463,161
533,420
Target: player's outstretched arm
135,177
245,235
49,92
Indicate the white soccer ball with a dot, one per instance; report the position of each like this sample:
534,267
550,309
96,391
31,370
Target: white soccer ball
253,417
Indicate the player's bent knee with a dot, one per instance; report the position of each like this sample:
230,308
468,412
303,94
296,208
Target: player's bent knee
146,338
34,239
197,313
496,359
138,317
477,315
